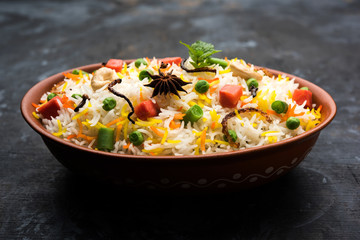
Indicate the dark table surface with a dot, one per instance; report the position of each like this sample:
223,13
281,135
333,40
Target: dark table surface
316,40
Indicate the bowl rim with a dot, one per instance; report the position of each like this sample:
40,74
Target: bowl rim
34,124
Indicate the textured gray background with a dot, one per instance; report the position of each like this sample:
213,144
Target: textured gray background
316,40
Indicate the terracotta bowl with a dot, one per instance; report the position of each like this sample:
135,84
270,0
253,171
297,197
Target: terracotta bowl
222,172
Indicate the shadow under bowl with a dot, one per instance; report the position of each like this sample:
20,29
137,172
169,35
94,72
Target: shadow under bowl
219,172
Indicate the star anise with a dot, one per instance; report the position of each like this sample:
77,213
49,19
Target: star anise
165,84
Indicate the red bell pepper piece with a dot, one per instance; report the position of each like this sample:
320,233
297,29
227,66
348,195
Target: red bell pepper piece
147,109
229,95
51,108
176,60
301,95
115,64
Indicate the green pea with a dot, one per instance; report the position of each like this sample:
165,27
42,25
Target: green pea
140,61
252,82
77,72
292,123
279,106
109,103
51,96
304,88
233,136
105,139
76,96
219,61
145,74
202,86
193,114
136,138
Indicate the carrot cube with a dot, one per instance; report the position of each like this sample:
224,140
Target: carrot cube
51,108
176,60
146,110
229,95
115,64
301,95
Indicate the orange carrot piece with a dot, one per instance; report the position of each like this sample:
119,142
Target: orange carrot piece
67,103
35,105
87,138
213,125
174,125
90,139
167,68
291,113
269,111
179,116
68,106
80,135
114,121
71,136
42,101
71,76
80,126
127,146
141,96
156,131
212,90
319,108
118,131
272,112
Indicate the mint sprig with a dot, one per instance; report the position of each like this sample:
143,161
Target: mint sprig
199,52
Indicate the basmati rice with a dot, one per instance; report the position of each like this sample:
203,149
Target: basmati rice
167,134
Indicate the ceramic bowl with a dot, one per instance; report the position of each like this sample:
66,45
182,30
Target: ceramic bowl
223,172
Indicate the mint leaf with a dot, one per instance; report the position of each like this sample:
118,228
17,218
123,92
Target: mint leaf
199,52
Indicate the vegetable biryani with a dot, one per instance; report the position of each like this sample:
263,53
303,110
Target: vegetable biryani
175,106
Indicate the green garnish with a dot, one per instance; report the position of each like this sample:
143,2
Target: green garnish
200,52
77,72
76,96
233,136
51,96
